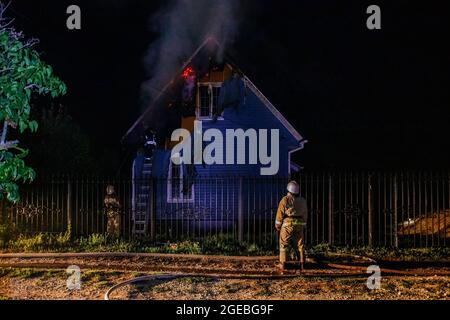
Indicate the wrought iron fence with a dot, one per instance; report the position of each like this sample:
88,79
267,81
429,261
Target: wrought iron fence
380,209
56,204
409,209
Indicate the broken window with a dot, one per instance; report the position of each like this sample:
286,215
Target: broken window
208,100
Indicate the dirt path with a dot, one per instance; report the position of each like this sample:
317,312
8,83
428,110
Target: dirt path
43,276
51,285
202,264
157,263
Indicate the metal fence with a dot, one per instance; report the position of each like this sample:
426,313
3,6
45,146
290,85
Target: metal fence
380,209
56,204
410,209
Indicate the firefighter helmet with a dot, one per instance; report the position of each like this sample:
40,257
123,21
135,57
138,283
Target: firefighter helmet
110,190
293,187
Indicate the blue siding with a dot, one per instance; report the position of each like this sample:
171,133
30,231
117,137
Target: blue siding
216,206
251,113
216,200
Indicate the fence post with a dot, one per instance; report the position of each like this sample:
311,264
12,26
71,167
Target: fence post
395,218
370,209
240,212
69,206
330,210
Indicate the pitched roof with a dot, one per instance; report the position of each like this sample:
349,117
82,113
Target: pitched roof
249,85
272,109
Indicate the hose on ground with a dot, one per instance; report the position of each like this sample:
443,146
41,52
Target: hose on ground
358,271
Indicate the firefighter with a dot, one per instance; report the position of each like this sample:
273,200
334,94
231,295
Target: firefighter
112,206
149,144
291,219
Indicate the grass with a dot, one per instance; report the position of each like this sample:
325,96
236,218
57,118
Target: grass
195,280
232,288
350,282
265,289
26,273
100,277
217,245
383,253
93,275
312,290
138,274
405,254
407,284
161,289
44,242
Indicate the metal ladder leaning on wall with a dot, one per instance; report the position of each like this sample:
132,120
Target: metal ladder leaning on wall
141,197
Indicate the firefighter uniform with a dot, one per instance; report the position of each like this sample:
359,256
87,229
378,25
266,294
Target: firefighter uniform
291,219
112,206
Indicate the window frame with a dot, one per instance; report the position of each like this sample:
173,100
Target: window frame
180,198
211,100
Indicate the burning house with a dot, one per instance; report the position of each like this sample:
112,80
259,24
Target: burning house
207,94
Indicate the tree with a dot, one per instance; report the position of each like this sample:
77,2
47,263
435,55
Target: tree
60,145
22,74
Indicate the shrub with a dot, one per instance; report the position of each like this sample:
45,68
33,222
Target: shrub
8,232
62,240
31,243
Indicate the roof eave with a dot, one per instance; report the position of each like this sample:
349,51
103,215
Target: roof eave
274,110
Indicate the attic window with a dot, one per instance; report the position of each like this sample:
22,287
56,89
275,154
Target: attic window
208,99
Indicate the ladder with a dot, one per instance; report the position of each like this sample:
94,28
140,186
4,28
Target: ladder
141,195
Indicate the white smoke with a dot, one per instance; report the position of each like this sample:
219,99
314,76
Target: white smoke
182,26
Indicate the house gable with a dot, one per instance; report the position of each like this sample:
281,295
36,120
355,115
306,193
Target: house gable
296,140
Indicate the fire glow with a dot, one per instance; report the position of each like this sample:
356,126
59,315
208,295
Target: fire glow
189,84
188,73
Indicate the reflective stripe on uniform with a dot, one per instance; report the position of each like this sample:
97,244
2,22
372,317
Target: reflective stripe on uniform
290,224
277,222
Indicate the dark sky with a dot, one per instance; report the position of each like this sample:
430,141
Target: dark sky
363,99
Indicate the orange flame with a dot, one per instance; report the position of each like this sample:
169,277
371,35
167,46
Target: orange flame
188,72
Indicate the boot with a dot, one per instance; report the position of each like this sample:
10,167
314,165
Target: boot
281,267
302,266
302,260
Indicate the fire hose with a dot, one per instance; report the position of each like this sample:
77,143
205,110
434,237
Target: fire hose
358,271
172,273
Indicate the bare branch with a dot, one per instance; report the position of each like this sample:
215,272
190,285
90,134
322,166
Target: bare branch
9,144
5,145
31,42
3,8
4,131
6,69
4,26
3,21
32,86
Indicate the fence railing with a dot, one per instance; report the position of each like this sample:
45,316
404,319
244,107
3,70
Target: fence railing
380,209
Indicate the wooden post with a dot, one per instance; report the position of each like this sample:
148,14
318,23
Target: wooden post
240,212
370,209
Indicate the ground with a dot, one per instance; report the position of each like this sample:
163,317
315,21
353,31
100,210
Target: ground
44,277
43,284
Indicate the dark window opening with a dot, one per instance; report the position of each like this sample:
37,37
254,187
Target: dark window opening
208,99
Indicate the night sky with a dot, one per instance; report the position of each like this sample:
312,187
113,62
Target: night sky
363,99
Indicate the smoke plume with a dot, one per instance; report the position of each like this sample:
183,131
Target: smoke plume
182,26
